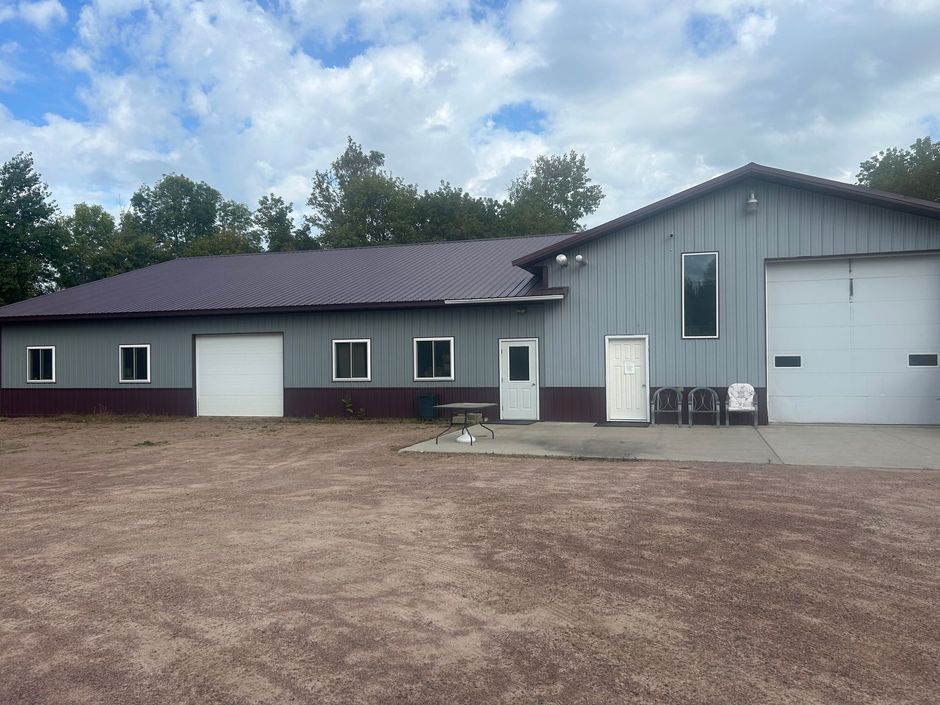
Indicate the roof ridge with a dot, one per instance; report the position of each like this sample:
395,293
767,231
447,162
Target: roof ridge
369,247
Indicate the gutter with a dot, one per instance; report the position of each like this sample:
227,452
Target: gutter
506,299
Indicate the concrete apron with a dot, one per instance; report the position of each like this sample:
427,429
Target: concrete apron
789,444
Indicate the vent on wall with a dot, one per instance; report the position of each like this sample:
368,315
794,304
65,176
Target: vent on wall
788,360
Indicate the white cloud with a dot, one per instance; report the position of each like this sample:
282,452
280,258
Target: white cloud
42,13
239,96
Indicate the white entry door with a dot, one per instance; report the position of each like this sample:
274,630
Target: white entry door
627,379
239,375
519,379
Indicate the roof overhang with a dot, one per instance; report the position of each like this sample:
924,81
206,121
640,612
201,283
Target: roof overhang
794,179
547,295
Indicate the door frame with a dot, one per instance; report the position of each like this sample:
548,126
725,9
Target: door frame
538,375
646,352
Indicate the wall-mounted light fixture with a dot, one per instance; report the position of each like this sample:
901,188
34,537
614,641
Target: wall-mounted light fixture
562,260
521,310
580,259
750,205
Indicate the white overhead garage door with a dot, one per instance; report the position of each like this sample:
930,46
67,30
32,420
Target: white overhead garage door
854,340
240,375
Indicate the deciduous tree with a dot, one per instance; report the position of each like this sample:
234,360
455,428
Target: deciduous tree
29,240
910,172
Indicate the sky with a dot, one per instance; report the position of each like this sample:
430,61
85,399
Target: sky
253,97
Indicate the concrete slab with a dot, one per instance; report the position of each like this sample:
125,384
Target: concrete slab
738,444
855,446
845,446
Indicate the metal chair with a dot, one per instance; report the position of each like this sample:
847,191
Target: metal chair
704,400
742,399
666,400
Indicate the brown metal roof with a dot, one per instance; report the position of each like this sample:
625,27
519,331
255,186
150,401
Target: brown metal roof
365,277
752,170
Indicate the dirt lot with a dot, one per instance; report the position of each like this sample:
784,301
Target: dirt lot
204,562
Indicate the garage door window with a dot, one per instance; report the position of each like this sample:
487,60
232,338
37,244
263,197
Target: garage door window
134,363
700,295
40,364
352,360
922,360
434,359
788,361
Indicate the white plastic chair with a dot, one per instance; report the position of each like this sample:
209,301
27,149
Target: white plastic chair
742,399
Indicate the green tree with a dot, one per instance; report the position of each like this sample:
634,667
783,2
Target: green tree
911,172
176,212
553,195
274,220
189,218
133,247
355,202
450,213
88,240
29,240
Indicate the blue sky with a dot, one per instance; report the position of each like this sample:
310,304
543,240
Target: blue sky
253,97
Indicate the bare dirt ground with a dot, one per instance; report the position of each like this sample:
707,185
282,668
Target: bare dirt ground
200,561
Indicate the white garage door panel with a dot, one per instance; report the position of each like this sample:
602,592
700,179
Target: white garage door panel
854,347
824,315
239,375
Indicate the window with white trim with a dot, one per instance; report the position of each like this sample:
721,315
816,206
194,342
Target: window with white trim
700,295
134,364
40,363
352,360
434,359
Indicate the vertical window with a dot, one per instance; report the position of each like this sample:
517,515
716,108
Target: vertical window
134,363
40,364
352,360
700,295
434,358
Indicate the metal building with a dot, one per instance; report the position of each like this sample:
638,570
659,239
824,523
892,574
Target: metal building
824,296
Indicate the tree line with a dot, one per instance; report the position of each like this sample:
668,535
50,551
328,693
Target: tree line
355,202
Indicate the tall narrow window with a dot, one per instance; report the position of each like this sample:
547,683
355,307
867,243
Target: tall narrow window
40,364
352,360
700,295
134,361
434,358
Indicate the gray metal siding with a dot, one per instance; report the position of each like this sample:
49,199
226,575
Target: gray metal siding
632,283
87,351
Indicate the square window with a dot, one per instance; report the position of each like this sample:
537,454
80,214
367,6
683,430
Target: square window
352,360
134,363
700,295
40,364
434,358
922,360
788,360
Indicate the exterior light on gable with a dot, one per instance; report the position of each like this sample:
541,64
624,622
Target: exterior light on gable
562,260
750,205
580,259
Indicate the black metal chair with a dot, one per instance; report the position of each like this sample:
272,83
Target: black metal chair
704,400
666,400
